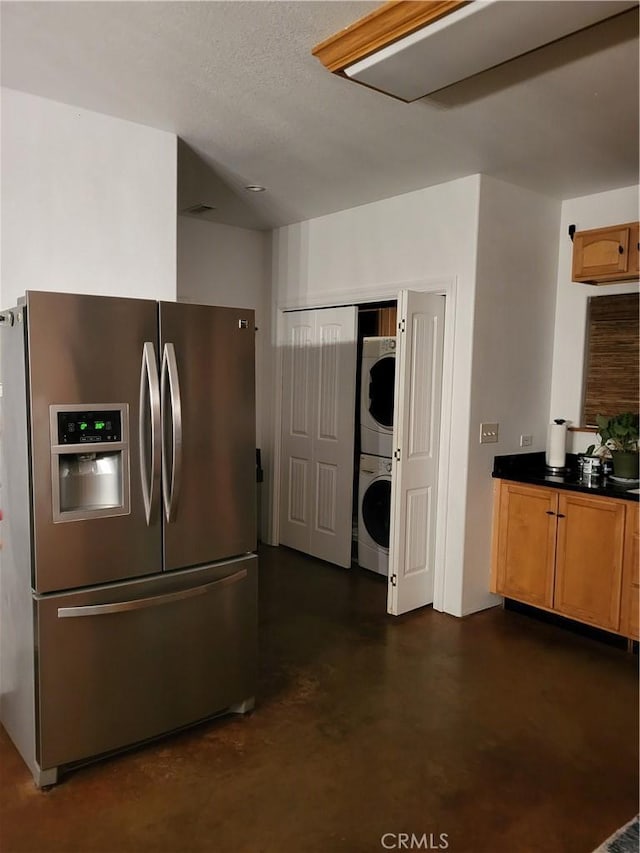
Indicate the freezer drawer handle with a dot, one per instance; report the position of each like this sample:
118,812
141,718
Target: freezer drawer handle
150,384
153,601
171,484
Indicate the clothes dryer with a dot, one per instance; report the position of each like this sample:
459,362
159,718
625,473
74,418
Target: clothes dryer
374,513
378,373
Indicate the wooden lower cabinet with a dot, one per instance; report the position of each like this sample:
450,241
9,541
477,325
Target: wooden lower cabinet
526,543
569,553
589,552
630,608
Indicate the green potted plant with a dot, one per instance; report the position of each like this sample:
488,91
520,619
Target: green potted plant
619,435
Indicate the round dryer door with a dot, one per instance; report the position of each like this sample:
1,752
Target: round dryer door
381,390
376,511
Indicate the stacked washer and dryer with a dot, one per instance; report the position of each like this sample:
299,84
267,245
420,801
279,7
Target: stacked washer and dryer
376,436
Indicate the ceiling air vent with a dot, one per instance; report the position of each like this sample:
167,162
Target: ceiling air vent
198,209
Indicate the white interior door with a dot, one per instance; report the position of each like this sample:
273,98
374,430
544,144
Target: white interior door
297,429
418,393
318,412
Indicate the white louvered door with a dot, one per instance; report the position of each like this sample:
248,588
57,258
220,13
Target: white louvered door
416,436
318,411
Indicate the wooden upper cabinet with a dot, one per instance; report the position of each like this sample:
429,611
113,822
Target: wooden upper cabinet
604,255
634,250
589,559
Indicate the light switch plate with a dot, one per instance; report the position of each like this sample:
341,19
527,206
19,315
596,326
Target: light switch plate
488,433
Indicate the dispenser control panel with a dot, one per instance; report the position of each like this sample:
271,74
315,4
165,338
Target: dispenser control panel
89,460
89,427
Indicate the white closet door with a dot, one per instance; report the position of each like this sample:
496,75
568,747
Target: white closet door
319,375
416,436
297,429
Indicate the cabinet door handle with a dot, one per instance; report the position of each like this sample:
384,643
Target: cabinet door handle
550,512
620,250
560,515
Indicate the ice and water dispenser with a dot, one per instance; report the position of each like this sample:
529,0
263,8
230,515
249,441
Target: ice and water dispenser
89,461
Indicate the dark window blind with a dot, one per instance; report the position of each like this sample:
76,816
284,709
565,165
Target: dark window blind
612,374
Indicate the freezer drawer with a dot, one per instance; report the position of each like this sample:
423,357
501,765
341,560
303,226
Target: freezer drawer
130,661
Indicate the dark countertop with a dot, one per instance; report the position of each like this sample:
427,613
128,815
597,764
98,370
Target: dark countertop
530,468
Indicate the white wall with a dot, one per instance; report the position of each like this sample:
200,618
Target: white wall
512,351
370,252
223,265
593,211
372,248
88,202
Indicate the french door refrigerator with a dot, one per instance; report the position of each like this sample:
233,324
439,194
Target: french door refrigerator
129,582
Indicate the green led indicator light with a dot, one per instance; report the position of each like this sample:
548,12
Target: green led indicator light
83,425
99,425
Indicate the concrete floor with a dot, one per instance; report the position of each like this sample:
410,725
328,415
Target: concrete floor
502,732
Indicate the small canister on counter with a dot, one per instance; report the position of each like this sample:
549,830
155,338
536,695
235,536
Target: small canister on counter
590,470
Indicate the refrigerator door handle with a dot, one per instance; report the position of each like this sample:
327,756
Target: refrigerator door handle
152,601
149,475
171,478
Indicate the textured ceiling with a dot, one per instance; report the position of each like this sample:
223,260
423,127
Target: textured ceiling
237,83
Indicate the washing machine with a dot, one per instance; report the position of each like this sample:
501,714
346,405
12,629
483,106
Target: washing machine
374,513
378,376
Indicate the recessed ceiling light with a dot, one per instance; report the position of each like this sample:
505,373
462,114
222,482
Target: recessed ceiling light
254,188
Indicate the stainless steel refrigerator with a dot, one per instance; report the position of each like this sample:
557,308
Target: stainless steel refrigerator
128,579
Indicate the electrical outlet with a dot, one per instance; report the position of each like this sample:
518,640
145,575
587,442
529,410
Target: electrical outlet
488,433
526,440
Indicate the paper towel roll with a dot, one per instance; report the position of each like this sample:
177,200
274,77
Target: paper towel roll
556,444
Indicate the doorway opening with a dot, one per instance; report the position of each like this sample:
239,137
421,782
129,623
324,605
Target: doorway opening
350,450
373,420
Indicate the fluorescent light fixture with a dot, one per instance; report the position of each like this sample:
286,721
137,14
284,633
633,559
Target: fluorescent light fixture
472,39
